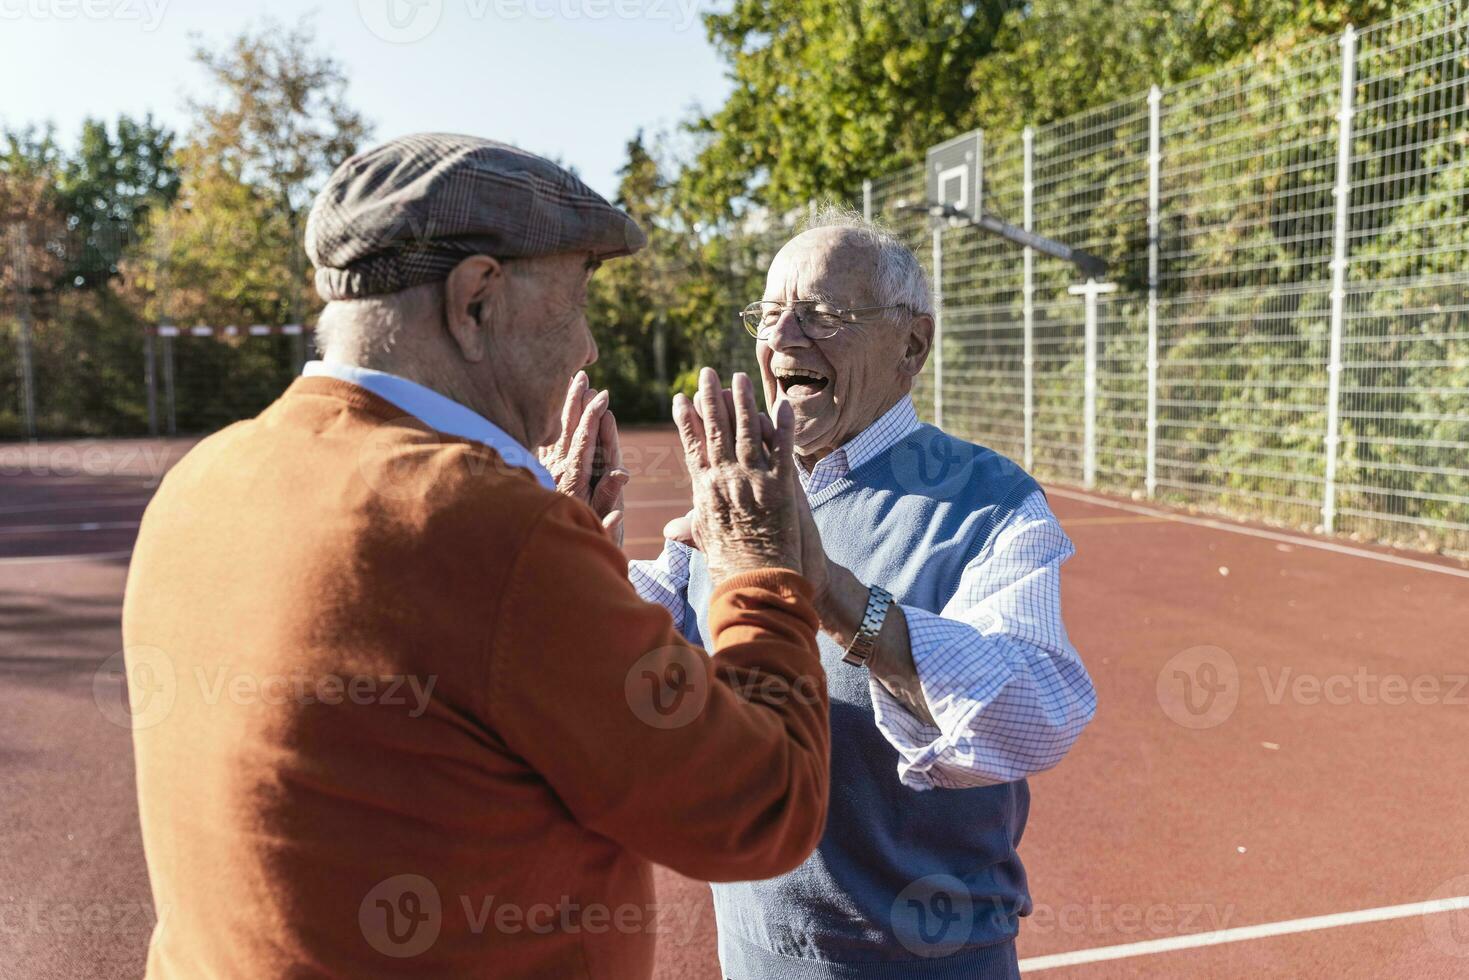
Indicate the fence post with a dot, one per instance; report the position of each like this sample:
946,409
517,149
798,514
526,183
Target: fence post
169,398
20,250
938,323
867,200
1027,293
150,380
1155,159
1089,294
1343,193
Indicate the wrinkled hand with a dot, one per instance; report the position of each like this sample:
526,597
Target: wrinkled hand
586,460
815,566
744,481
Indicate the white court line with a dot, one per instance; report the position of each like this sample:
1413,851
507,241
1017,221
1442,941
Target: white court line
48,559
1242,933
83,526
75,505
1256,532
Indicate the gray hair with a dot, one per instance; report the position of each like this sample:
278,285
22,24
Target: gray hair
901,280
364,331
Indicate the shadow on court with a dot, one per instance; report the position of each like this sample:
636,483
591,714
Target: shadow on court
1280,739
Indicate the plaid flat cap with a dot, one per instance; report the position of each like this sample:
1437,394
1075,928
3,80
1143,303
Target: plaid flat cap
409,211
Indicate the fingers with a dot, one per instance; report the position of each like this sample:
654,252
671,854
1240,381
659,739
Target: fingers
782,459
580,456
609,478
612,525
571,410
607,495
718,432
690,432
609,445
749,449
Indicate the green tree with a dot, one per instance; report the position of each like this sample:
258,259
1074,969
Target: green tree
1054,58
828,93
229,250
280,123
631,296
107,189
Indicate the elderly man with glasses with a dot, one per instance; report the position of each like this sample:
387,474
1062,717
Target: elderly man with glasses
950,675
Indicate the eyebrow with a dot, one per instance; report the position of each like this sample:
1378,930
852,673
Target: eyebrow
812,297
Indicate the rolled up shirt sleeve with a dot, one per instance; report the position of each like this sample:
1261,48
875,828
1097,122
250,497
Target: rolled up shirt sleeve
664,581
1001,678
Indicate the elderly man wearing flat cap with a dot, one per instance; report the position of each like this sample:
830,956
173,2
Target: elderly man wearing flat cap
398,710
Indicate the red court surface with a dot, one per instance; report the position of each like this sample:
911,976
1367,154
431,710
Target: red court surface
1275,785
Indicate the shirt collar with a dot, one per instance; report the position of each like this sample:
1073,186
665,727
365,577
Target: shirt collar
435,411
894,424
890,427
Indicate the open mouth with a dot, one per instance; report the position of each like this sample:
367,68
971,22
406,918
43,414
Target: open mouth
799,383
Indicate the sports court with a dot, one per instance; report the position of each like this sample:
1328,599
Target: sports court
1273,786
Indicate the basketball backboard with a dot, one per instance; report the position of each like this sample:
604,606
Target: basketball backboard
956,173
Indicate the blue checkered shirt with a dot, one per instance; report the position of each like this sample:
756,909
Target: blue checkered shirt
998,671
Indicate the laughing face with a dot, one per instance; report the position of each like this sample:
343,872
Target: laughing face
839,385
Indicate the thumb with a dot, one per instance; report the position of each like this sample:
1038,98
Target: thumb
681,529
608,490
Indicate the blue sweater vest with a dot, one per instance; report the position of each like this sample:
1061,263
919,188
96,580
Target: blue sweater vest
904,883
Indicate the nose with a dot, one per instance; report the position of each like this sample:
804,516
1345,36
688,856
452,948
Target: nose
592,345
787,333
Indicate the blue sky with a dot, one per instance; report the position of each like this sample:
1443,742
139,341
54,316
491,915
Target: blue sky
573,79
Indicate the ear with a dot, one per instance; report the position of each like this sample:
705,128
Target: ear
476,281
919,343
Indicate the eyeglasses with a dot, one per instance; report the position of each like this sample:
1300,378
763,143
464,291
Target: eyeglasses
819,321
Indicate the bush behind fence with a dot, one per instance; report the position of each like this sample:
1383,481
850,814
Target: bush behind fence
1253,268
1288,341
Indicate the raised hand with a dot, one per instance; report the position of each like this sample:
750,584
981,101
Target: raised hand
744,483
586,459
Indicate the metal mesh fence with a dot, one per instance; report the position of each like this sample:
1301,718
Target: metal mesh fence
1287,339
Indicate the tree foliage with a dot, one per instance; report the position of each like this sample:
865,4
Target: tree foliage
1054,58
828,92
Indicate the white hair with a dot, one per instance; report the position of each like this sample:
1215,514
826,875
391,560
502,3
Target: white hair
901,280
364,331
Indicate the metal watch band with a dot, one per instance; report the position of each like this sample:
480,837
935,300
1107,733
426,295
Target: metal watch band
865,642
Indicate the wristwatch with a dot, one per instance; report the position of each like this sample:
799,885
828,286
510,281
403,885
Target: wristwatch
865,642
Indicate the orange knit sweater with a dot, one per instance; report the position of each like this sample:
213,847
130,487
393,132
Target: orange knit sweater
405,715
